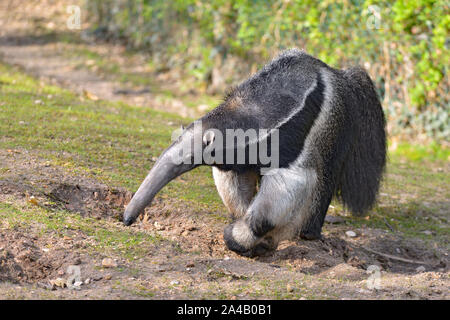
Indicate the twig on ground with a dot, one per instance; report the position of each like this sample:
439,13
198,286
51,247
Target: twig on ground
394,257
388,225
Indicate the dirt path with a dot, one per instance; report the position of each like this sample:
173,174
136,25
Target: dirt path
31,36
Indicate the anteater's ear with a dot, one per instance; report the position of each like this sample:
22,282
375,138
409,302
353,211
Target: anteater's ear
208,137
182,127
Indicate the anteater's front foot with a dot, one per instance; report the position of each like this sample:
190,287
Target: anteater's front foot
232,243
249,249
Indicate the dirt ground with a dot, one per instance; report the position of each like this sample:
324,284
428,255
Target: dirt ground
193,261
190,259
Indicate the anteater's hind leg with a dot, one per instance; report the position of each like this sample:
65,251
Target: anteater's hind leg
312,227
236,190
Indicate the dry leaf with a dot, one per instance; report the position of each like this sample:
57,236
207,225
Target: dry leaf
90,95
33,201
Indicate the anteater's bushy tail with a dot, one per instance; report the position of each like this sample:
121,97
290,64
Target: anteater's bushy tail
364,166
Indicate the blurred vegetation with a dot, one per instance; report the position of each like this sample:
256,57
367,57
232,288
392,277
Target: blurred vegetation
403,44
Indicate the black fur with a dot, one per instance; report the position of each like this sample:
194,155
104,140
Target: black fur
260,225
294,132
362,170
355,148
266,98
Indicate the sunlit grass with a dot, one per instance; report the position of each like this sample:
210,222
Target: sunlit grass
113,141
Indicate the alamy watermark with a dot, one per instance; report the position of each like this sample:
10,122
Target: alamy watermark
74,279
374,280
374,17
74,20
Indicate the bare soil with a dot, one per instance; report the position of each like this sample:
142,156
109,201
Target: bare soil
192,260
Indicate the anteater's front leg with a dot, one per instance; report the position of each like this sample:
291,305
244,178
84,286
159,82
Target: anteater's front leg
280,205
236,190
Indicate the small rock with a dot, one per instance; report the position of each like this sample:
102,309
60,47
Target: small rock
76,285
420,269
109,263
226,258
174,282
87,281
427,232
190,265
350,234
158,226
364,291
289,288
47,286
333,219
107,277
61,272
77,261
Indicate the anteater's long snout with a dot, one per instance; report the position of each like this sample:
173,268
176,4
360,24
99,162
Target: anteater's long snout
166,168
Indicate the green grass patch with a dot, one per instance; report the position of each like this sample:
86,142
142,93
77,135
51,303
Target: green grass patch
432,151
106,235
112,141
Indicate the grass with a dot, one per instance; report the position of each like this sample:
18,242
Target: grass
108,237
432,152
112,141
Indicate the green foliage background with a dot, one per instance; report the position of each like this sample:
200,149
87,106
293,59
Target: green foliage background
403,44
